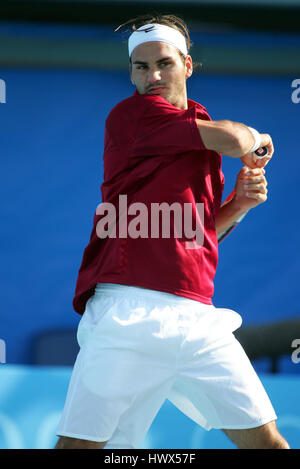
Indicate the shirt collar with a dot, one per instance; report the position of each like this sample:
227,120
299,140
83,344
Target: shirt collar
191,103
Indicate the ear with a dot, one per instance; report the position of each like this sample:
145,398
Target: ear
188,66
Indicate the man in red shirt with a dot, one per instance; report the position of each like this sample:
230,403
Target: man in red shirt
149,330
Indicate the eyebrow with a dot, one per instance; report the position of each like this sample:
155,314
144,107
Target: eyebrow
140,62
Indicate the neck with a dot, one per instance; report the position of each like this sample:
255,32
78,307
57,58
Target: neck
180,101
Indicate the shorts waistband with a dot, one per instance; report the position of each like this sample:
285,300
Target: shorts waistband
117,289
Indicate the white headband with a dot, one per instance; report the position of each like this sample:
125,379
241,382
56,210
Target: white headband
157,32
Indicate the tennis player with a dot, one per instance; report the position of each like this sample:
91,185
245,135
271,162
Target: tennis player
149,330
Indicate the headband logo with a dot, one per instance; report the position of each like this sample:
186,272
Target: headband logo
147,30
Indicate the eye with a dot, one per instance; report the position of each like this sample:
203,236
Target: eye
141,67
165,64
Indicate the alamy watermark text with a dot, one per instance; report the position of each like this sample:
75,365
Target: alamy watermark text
188,221
2,351
2,91
296,92
296,353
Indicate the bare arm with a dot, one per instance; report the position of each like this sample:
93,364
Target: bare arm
228,215
230,138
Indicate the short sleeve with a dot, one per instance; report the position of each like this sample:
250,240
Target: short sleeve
164,130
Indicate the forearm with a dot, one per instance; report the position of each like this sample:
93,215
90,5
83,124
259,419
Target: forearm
228,214
227,137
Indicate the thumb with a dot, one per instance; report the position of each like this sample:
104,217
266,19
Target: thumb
261,163
244,170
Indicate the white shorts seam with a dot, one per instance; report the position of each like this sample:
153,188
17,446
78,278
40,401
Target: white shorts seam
83,437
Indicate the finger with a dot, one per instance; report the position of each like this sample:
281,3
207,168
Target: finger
262,162
256,174
266,141
261,188
243,171
249,160
258,196
255,180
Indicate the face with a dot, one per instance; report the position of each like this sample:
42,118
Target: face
157,68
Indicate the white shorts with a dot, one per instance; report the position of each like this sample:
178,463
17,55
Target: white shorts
139,347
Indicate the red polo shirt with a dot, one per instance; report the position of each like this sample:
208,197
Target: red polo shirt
153,153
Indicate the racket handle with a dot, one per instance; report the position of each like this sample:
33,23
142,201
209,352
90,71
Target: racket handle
261,152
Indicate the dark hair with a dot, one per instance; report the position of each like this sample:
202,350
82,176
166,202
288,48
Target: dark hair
157,18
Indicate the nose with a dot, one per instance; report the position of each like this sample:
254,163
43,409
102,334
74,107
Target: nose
153,76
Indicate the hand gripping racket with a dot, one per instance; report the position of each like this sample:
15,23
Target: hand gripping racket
260,153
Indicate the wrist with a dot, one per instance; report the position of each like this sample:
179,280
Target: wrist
237,207
257,140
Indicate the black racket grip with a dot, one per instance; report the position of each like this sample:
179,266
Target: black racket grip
261,152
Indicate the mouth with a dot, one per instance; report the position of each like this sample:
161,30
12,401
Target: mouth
156,90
